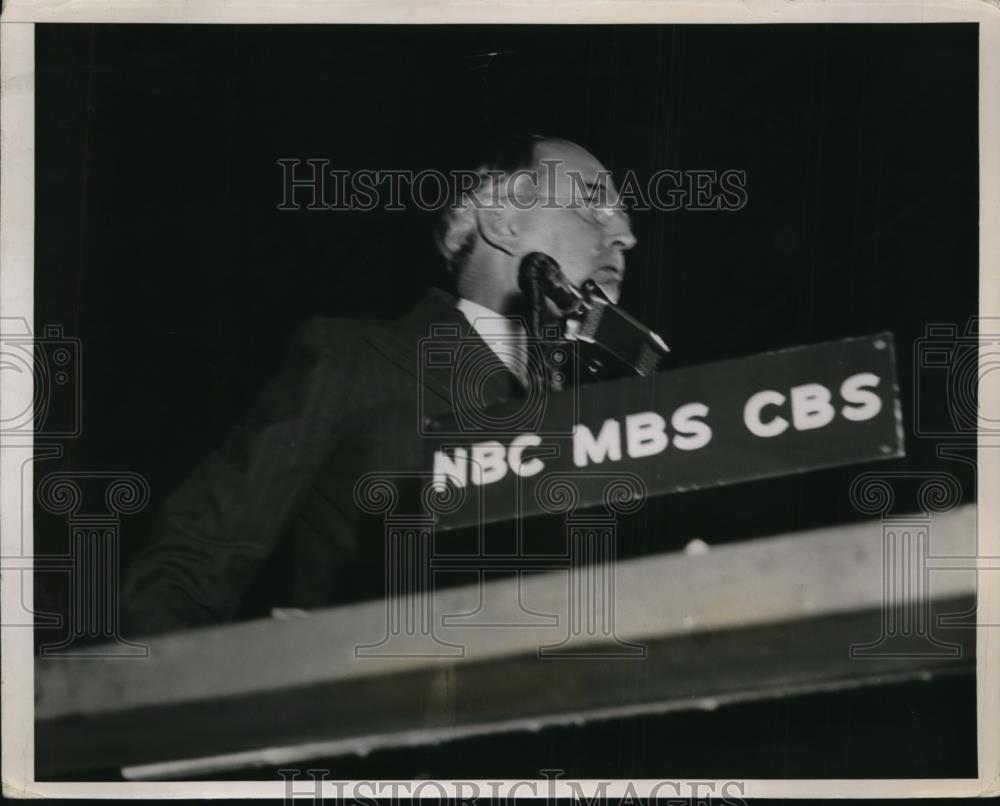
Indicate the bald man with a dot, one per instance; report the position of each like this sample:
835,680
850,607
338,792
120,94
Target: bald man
273,511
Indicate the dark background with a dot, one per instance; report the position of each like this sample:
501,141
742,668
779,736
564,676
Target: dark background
160,246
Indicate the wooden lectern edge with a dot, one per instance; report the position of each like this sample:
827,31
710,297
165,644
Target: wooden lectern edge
429,706
362,745
766,580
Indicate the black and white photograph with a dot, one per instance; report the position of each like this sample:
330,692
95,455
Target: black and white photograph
579,404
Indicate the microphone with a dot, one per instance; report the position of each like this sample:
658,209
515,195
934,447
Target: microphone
615,343
539,276
623,344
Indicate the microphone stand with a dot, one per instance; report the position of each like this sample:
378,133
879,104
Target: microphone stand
615,342
531,285
530,282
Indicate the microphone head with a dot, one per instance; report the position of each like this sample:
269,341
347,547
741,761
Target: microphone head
537,267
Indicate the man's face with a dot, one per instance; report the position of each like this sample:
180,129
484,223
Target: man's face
575,219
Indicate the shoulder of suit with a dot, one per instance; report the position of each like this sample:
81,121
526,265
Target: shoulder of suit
335,337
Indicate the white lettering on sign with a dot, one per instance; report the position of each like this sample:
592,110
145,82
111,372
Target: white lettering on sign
489,462
866,404
607,444
514,455
691,434
767,413
811,406
644,434
455,470
752,414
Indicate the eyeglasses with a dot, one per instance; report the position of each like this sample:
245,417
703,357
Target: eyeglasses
603,215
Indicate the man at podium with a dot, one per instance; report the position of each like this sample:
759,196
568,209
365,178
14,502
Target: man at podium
352,394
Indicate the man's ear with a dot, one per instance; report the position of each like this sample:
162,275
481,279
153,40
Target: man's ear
497,228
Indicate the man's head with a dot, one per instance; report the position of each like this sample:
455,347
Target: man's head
535,194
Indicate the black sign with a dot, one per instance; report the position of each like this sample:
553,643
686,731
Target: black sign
775,414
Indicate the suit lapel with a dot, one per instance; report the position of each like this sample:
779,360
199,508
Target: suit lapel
435,344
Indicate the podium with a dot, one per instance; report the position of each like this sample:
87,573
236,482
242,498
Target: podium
283,692
573,636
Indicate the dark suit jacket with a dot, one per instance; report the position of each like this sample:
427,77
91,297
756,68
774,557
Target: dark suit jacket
273,510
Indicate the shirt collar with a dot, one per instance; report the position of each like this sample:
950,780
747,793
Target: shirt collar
505,336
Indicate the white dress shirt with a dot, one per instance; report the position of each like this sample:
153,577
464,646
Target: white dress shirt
506,337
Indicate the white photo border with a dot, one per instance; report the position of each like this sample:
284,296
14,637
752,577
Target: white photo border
17,294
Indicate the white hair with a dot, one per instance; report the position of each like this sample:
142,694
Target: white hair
456,231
